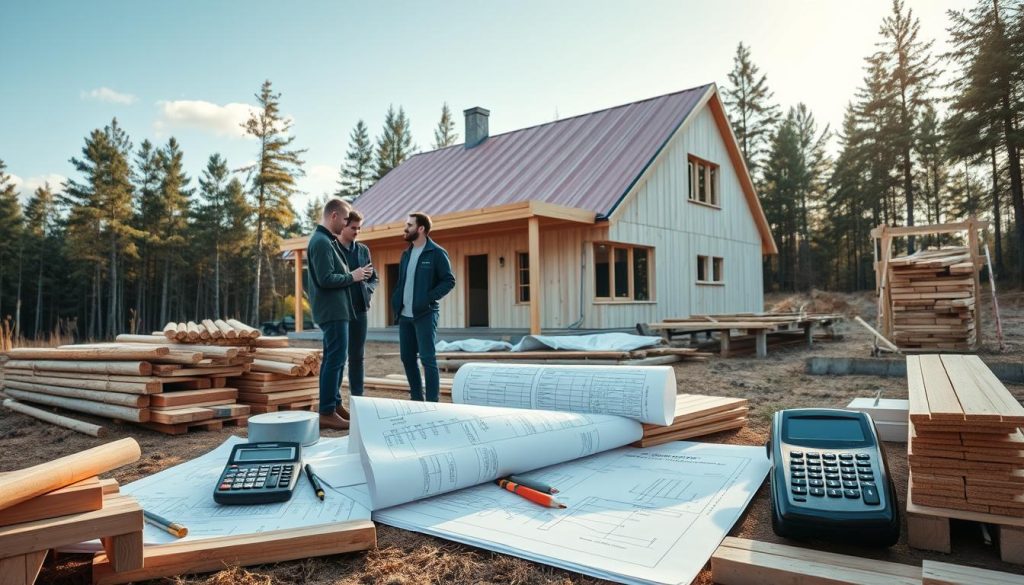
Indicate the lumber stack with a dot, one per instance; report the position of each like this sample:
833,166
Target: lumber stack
209,329
63,502
650,356
281,378
932,300
166,387
396,383
696,416
966,450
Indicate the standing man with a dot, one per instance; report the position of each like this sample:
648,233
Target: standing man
357,256
332,305
424,278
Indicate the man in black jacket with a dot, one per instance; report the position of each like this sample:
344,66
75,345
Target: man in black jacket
329,275
358,256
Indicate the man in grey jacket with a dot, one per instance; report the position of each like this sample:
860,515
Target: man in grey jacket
329,277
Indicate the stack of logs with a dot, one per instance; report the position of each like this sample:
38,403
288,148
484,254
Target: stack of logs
933,296
209,329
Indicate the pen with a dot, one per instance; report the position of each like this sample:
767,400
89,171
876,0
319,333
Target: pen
532,484
533,495
313,481
165,524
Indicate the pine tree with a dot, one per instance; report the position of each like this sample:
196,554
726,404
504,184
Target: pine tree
148,212
211,217
395,142
11,224
356,173
172,224
445,134
754,116
272,181
40,226
933,172
911,73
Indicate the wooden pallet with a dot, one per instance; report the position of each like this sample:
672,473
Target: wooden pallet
203,425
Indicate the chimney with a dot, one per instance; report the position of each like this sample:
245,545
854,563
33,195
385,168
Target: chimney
476,125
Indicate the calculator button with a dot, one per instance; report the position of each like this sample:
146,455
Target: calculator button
796,454
849,476
799,482
799,491
796,466
863,466
284,483
870,494
819,492
224,486
863,457
829,456
814,455
846,464
850,485
816,483
852,494
834,483
798,475
846,456
813,475
834,493
831,476
867,477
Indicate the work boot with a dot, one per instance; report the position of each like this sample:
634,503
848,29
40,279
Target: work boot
333,421
343,412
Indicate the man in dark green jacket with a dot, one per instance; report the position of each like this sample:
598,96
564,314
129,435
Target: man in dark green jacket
329,277
424,278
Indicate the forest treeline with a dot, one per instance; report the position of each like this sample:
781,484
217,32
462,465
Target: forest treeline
131,241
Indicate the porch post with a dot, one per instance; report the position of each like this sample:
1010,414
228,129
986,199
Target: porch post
535,286
298,291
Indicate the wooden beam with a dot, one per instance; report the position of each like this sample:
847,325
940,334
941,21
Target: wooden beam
943,228
535,276
298,291
973,247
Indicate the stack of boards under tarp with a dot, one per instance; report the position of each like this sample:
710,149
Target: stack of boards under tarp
165,386
63,503
932,300
697,416
966,450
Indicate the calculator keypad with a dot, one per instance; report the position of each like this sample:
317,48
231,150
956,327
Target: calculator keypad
256,477
840,477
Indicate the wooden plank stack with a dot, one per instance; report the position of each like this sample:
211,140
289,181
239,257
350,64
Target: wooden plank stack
932,297
966,450
165,386
697,416
61,503
651,356
281,379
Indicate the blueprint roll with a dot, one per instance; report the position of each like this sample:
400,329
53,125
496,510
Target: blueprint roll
291,426
642,393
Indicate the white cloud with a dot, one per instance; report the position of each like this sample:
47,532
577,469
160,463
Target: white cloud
105,94
26,187
319,179
223,120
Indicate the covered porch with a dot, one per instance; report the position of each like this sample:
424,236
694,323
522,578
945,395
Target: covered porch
528,217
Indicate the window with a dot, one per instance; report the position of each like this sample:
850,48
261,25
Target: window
622,272
522,277
702,181
710,270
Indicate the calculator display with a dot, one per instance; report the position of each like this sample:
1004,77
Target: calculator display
817,428
248,455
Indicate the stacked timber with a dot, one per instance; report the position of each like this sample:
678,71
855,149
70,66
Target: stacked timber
63,502
966,450
397,383
165,387
932,300
281,378
697,416
651,356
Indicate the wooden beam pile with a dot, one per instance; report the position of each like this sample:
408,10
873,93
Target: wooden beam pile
208,330
966,450
652,356
932,298
396,383
63,502
281,379
165,386
697,416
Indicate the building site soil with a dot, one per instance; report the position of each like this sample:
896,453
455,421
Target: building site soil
402,557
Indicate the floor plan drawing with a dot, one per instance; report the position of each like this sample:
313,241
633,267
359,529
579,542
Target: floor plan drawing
633,515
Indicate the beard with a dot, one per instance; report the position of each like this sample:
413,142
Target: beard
410,236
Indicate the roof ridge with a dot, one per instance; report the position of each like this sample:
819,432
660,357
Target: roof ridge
525,128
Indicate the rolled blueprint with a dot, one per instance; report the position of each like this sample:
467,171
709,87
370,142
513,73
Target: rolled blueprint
643,393
414,450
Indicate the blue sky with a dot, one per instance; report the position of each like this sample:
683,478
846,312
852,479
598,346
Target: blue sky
190,69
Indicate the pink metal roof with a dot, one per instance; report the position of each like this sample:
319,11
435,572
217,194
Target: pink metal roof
589,162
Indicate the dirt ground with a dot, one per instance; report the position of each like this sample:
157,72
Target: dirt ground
404,557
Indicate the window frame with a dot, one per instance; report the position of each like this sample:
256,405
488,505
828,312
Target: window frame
712,175
519,283
712,266
630,273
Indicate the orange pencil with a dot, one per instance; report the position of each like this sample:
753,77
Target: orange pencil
534,496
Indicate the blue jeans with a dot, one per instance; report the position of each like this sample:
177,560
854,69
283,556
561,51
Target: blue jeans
335,348
417,336
356,349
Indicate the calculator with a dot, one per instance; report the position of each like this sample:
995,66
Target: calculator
830,479
259,473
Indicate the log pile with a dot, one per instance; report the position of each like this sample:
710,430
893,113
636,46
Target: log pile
163,386
281,379
966,450
63,502
932,300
